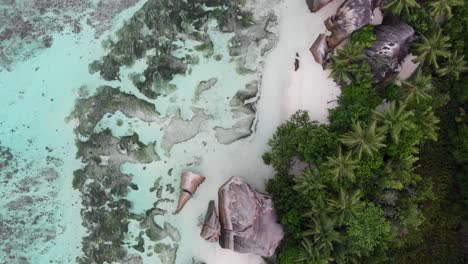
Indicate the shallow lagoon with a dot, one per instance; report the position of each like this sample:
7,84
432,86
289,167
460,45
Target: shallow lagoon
39,95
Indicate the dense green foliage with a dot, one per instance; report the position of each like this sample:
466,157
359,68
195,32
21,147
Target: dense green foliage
381,184
369,229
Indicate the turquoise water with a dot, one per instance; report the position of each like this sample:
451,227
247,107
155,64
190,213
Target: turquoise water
43,219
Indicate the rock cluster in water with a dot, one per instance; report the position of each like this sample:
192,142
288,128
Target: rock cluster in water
30,204
151,38
247,220
30,24
157,25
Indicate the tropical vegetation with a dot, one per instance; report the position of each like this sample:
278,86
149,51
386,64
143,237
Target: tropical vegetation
385,181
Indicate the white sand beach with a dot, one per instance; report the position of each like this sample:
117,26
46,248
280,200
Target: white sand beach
283,92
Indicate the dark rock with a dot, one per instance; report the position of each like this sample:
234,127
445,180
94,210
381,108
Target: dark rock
389,49
320,49
211,227
316,5
248,219
350,16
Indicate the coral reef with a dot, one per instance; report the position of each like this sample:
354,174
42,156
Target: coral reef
157,25
103,187
26,26
29,198
90,110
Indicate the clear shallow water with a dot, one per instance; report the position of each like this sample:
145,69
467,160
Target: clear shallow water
40,219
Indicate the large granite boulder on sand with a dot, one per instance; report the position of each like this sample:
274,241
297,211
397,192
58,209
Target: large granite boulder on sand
248,219
392,44
350,16
211,228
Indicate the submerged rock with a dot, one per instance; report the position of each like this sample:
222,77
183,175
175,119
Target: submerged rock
104,147
243,127
240,98
28,26
202,87
180,130
211,229
166,253
133,259
389,49
89,111
248,219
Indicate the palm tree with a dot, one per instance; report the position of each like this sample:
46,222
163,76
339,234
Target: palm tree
418,88
366,139
397,6
309,182
432,48
339,70
395,119
454,66
313,255
342,166
443,7
346,205
428,124
317,206
322,232
346,66
401,170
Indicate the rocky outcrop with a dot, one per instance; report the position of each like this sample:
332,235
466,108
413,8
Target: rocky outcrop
320,49
316,5
244,112
90,110
248,219
243,127
180,130
211,227
389,49
350,16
